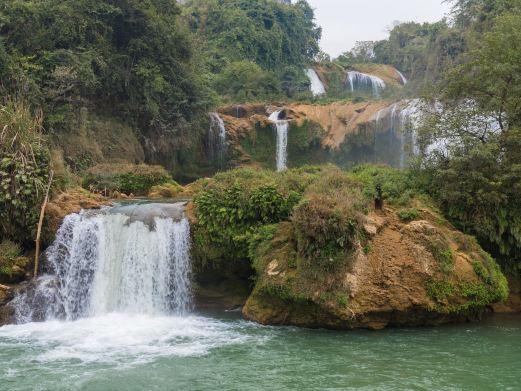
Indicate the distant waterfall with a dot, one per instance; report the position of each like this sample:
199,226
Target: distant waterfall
317,87
217,140
396,133
133,259
404,79
282,127
361,81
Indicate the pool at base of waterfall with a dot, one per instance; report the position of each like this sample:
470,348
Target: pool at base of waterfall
224,352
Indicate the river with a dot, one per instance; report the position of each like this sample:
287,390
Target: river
225,352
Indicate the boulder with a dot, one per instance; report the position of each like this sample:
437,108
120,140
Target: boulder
404,274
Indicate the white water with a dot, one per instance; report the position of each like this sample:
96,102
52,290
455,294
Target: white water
120,293
361,81
401,120
404,79
317,87
121,338
282,127
111,261
217,139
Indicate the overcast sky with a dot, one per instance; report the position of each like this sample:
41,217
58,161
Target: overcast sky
346,21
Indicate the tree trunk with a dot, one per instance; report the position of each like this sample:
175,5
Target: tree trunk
40,223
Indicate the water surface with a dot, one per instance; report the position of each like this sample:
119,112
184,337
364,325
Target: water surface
224,352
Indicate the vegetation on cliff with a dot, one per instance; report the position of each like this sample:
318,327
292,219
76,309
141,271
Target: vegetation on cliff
263,44
311,234
477,178
24,161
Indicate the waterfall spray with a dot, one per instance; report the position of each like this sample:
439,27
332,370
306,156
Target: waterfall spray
317,87
217,140
361,81
282,127
132,259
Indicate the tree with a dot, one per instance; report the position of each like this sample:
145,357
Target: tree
477,178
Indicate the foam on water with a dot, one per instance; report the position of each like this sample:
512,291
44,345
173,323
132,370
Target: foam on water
121,338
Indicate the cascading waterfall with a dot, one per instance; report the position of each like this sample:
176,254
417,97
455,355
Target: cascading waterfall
282,127
217,139
317,87
133,259
361,81
404,79
396,132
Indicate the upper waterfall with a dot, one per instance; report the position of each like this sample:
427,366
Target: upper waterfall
404,79
131,259
217,140
317,87
396,133
361,81
282,127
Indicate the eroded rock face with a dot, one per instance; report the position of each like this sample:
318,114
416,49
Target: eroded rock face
72,201
407,274
6,313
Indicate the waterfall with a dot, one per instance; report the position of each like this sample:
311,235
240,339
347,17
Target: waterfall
217,142
317,87
132,259
282,127
396,132
361,81
404,79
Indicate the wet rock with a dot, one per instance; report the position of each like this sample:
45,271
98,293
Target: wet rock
6,312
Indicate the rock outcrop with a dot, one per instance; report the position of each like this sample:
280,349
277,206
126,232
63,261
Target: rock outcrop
422,272
71,201
6,312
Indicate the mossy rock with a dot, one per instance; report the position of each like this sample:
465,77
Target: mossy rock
12,263
125,178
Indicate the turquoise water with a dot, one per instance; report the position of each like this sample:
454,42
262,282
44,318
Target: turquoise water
224,352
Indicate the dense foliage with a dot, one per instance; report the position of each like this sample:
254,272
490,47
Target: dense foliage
239,209
24,170
12,263
327,222
129,179
234,205
126,58
236,34
477,177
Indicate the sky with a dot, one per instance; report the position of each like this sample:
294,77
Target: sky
346,21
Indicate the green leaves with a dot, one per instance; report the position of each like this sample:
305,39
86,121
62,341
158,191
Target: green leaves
235,205
24,164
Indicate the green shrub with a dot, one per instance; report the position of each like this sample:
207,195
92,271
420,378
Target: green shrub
231,207
125,178
440,290
327,221
398,186
492,288
24,167
444,256
166,190
408,215
12,263
342,300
